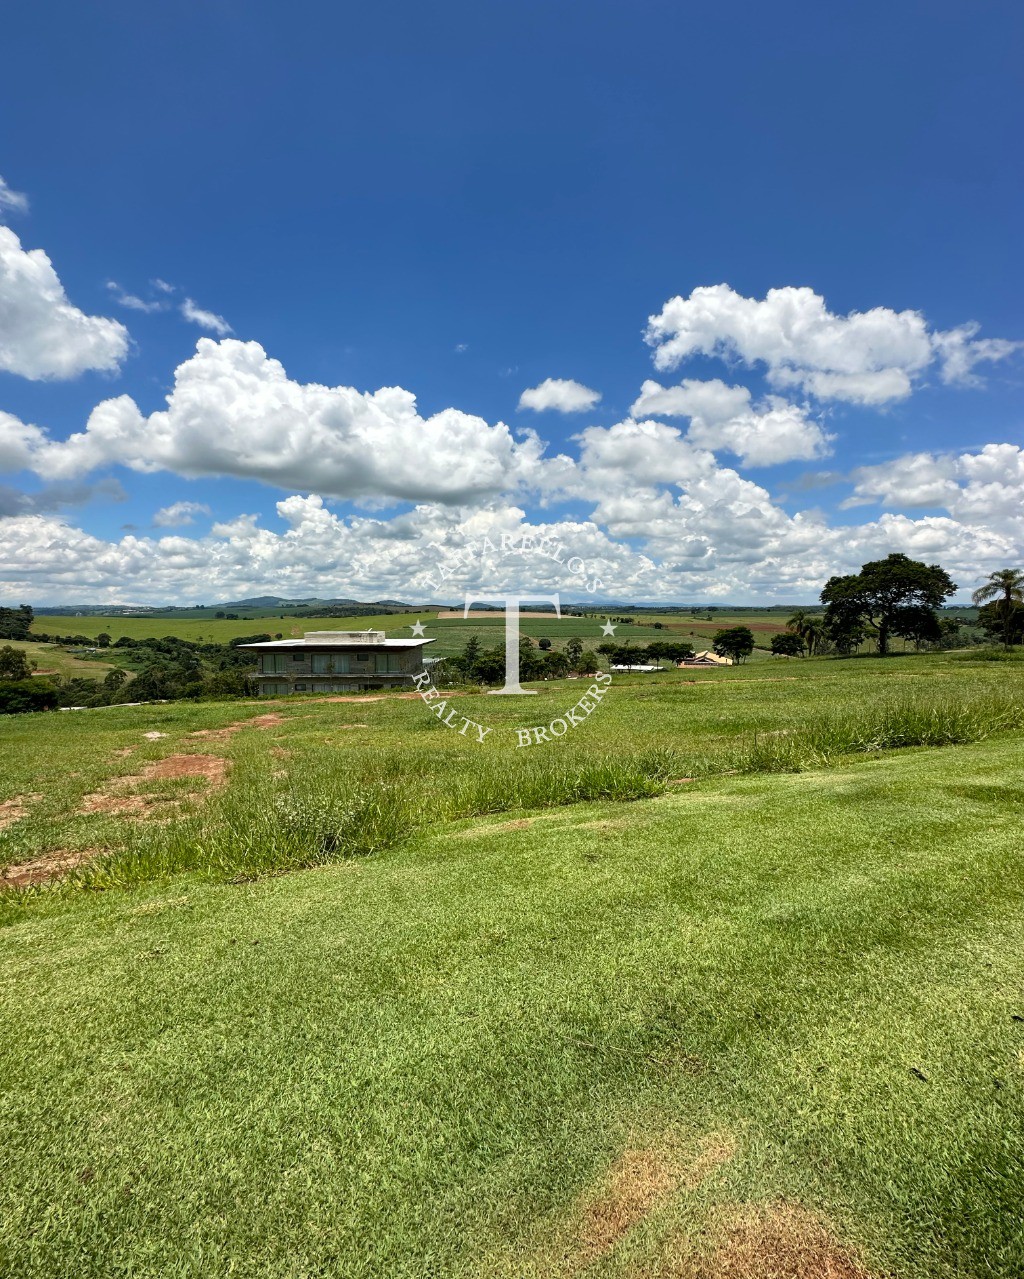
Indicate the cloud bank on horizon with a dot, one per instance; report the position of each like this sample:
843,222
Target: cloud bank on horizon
658,500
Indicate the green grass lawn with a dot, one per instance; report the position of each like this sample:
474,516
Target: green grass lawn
765,1014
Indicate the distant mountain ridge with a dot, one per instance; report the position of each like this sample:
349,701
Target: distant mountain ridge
279,601
313,601
255,602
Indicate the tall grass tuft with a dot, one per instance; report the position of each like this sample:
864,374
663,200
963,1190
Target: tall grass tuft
889,724
353,805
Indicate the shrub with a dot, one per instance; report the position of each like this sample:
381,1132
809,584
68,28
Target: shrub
14,664
787,644
18,696
15,623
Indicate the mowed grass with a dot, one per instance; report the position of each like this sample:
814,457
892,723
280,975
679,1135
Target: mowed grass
528,1035
427,1063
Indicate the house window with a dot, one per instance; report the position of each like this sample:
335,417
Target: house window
272,687
273,664
362,657
330,663
300,688
297,657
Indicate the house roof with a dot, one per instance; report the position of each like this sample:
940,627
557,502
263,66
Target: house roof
347,640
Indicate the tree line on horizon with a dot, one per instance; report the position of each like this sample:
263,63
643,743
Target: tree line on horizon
895,597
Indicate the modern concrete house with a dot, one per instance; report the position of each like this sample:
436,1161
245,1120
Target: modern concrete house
336,662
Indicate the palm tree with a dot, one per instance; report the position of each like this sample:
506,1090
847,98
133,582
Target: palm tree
808,627
814,633
1007,585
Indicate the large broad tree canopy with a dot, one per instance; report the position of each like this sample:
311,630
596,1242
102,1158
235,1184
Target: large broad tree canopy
736,642
888,594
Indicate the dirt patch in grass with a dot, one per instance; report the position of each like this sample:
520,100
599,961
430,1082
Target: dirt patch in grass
229,730
115,805
714,1151
778,1241
638,1183
51,865
121,796
13,810
213,767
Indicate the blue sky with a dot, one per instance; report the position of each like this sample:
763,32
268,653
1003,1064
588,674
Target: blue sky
464,200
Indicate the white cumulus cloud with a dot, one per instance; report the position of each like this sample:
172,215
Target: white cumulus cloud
179,513
318,552
131,302
205,319
983,488
42,335
866,357
725,417
719,538
960,350
20,442
14,200
561,394
234,411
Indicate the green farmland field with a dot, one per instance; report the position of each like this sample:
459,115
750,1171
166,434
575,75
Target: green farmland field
450,634
51,659
208,629
727,982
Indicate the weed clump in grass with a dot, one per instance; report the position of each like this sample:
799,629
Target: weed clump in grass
890,724
990,655
358,804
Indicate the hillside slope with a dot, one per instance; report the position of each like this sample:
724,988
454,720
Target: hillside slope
757,1017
